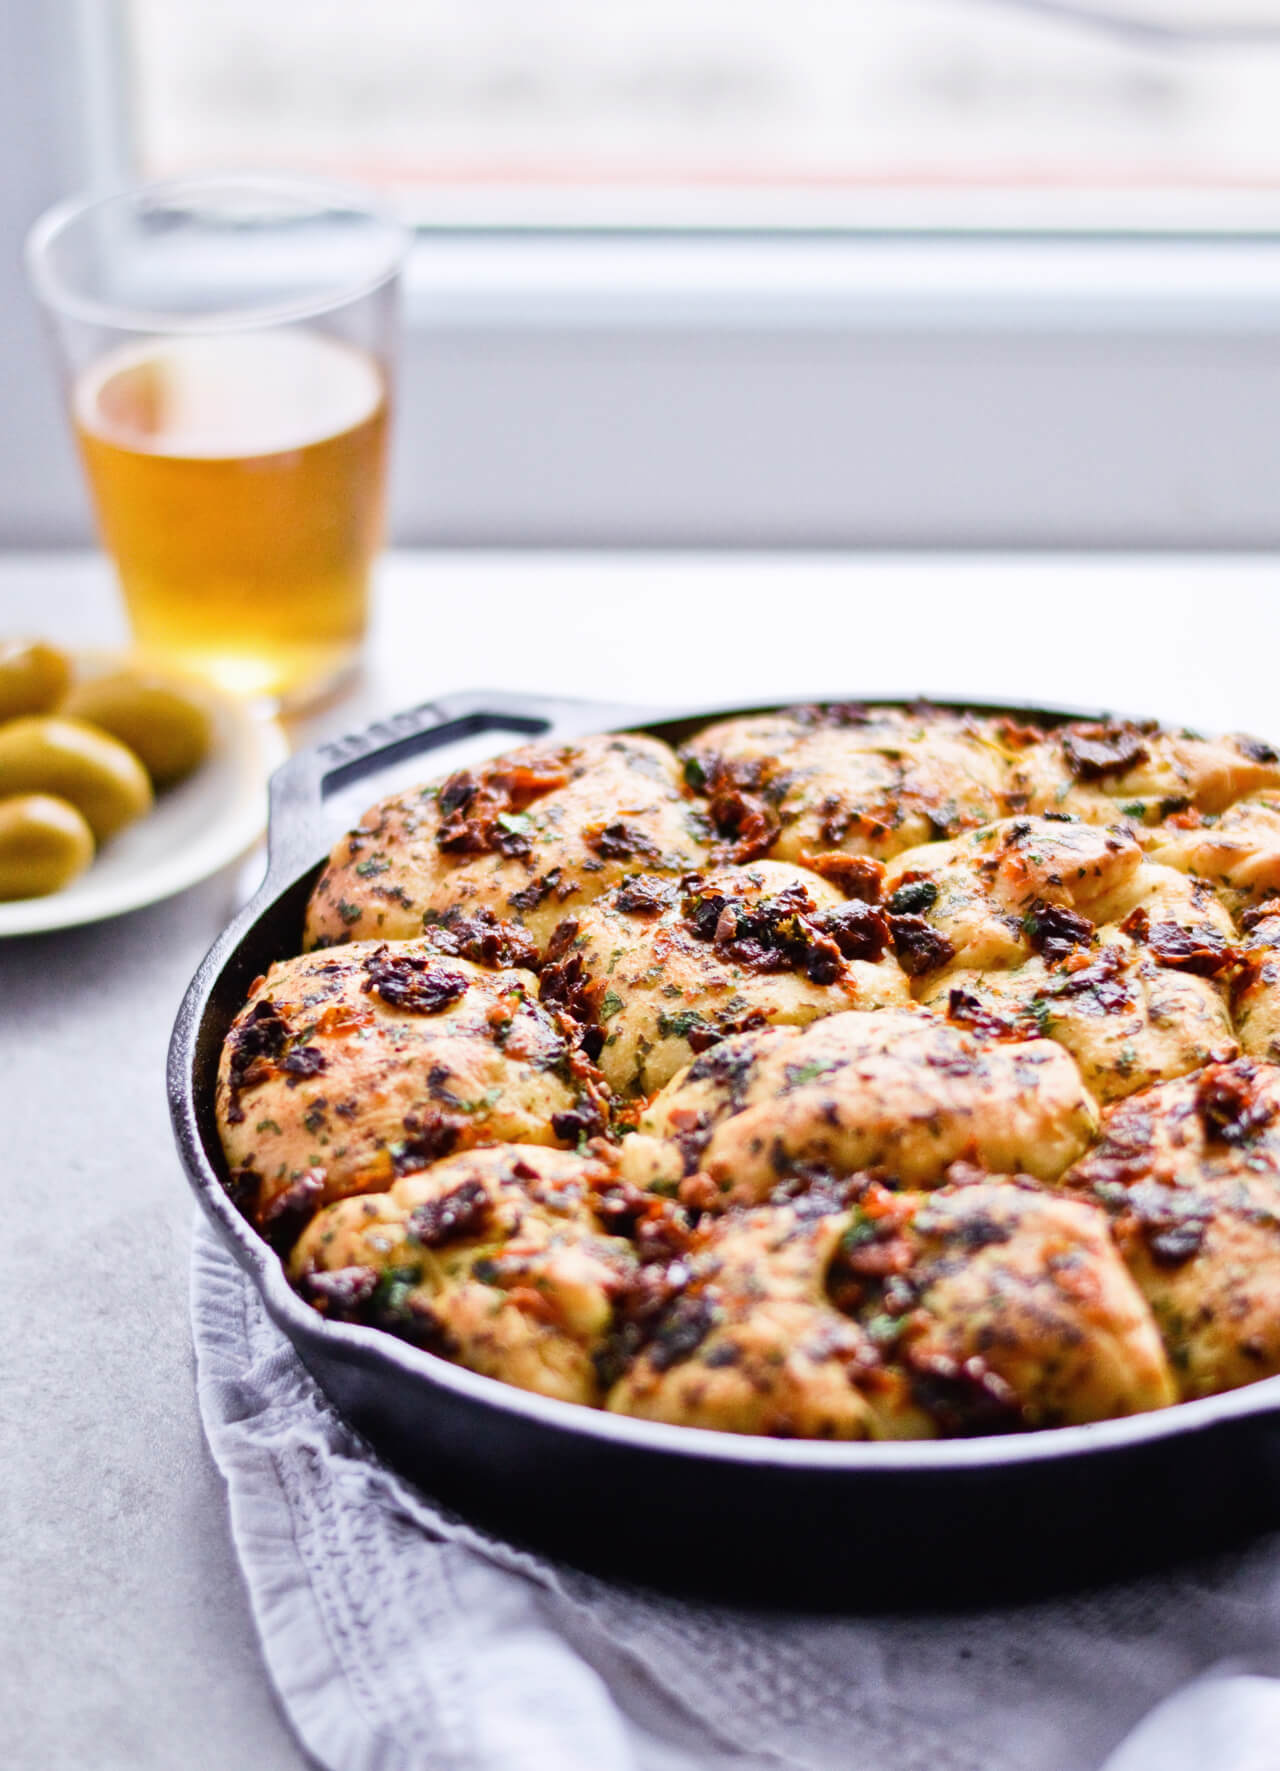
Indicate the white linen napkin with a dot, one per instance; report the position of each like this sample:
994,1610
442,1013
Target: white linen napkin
399,1638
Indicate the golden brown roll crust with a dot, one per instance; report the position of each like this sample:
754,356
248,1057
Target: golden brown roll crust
1134,1004
1062,927
1256,993
856,780
345,1067
983,1307
1238,851
1159,898
1190,1173
494,1258
1030,1290
977,898
1126,1020
898,1090
662,969
522,840
1096,769
752,1344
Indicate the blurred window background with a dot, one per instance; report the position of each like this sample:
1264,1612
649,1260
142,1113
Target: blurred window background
794,273
968,112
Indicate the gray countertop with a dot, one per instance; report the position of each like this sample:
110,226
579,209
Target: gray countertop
127,1637
127,1634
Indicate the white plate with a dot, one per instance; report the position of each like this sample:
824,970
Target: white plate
195,828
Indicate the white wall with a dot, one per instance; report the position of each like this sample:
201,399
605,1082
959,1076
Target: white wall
1050,394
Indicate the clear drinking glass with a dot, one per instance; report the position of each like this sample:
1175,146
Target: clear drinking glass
228,348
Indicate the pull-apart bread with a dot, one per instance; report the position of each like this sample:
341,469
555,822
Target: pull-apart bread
852,1073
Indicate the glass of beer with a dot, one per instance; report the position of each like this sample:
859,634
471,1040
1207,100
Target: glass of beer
228,346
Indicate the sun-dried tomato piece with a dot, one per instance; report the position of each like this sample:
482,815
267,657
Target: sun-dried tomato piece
968,1011
1231,1106
565,981
1054,930
919,947
1102,981
261,1035
964,1397
860,930
341,1291
429,1136
587,1118
484,813
342,1017
483,938
857,876
779,934
703,1035
463,1212
301,1062
522,783
411,983
295,1203
1259,913
1094,752
645,894
1200,950
747,826
681,1331
619,841
1017,734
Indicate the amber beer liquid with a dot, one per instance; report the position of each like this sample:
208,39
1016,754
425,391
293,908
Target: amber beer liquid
239,483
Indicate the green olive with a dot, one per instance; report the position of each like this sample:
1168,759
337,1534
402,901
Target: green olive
44,844
164,725
75,761
33,677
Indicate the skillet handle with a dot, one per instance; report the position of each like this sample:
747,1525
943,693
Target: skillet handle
299,832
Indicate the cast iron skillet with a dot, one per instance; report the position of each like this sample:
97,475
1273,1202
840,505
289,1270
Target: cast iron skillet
862,1525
